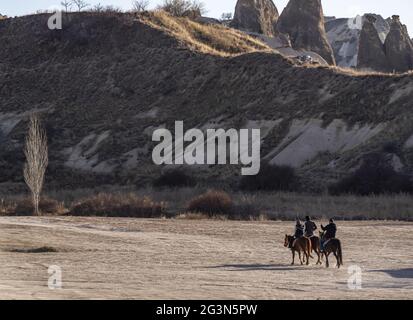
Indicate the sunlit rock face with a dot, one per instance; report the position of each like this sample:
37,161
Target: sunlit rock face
303,21
258,16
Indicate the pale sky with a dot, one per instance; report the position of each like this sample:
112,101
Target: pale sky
338,8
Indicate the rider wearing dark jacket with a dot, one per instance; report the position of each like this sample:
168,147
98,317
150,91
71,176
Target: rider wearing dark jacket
330,230
309,227
299,229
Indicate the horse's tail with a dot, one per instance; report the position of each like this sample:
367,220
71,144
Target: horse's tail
340,252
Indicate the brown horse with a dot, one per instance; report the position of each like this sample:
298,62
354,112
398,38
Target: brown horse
333,246
300,245
315,246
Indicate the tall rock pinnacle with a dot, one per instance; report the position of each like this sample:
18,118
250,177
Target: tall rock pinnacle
303,21
258,16
399,47
371,53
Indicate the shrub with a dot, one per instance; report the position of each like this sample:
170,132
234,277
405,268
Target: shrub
180,8
271,178
24,207
373,178
212,203
174,178
118,205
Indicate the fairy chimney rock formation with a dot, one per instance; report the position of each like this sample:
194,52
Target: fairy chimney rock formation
399,47
303,21
371,53
259,16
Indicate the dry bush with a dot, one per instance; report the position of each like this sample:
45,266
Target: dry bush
212,203
210,39
119,205
180,8
24,207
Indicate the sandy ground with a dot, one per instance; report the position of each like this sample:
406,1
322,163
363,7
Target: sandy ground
105,258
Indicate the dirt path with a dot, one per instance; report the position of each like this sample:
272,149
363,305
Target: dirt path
105,258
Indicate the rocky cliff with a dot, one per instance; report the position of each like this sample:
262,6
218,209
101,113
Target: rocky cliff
258,16
303,21
371,53
344,36
399,47
105,82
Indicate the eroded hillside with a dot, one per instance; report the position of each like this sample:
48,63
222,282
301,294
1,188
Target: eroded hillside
105,82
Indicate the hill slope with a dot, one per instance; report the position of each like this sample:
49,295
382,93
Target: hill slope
105,82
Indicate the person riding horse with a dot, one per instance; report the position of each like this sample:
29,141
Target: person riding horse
329,232
299,229
309,227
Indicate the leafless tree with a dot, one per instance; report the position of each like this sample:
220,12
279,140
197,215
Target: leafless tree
67,4
80,4
36,152
98,7
140,5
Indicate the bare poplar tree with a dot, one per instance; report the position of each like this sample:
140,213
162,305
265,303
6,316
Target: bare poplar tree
67,4
140,5
36,152
80,4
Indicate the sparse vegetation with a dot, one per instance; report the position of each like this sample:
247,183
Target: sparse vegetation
226,16
23,206
211,39
181,8
373,178
80,4
119,205
67,5
140,5
212,203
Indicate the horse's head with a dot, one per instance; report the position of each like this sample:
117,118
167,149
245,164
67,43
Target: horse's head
287,240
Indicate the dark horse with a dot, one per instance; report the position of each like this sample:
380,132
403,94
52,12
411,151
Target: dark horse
333,246
300,245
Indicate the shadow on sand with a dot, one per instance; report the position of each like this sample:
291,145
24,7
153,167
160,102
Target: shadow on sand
398,273
259,267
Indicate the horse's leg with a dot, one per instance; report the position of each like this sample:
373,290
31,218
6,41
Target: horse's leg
299,255
318,255
293,257
338,261
307,254
327,263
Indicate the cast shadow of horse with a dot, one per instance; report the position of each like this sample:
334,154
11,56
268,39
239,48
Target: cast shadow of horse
257,267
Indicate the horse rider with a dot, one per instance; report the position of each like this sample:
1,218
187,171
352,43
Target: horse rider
299,229
329,232
309,227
